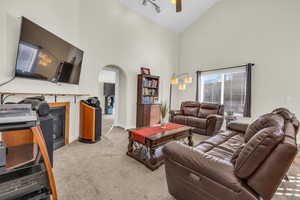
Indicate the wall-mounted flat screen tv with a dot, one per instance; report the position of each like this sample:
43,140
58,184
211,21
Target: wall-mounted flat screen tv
44,56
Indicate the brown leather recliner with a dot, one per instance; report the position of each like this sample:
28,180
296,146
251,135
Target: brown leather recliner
206,118
247,162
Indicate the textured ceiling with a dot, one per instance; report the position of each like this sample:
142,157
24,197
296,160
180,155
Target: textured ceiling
192,10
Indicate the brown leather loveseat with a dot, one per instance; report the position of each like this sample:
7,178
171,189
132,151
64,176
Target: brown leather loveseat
247,162
206,118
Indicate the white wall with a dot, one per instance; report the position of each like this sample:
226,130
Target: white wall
108,33
112,34
233,32
107,76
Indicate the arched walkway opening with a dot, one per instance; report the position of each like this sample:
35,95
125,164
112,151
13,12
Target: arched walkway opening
112,95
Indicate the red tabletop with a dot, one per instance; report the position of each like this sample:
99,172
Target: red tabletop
140,134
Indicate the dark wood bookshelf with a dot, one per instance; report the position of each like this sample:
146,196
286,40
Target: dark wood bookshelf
148,107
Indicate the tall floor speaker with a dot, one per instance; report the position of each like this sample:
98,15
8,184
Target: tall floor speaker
90,121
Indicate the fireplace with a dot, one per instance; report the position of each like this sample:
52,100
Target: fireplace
60,113
59,122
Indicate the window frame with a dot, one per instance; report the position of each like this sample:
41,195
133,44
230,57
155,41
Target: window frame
222,72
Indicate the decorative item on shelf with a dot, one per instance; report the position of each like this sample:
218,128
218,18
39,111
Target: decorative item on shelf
163,111
181,80
145,70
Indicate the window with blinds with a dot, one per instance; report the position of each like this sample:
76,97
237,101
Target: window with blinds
227,87
27,57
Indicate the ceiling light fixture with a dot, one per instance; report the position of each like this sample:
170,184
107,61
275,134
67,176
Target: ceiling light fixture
173,2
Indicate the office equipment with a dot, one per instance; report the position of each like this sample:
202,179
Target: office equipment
16,113
2,153
25,183
27,174
41,107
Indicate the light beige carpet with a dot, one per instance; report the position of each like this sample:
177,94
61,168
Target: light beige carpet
102,171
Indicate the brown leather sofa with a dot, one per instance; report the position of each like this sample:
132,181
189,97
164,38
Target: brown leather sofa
206,118
247,162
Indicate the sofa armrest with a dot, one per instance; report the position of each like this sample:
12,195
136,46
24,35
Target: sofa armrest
173,113
176,112
202,164
214,124
238,126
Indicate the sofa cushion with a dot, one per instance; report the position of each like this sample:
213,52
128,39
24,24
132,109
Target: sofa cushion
231,145
217,140
288,116
190,104
208,109
221,153
238,126
257,150
237,153
180,119
196,122
204,147
190,111
210,106
265,121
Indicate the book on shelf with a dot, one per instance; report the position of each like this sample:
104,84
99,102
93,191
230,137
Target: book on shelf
147,91
150,100
153,83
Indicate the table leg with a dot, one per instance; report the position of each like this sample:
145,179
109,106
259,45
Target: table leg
152,156
130,145
190,138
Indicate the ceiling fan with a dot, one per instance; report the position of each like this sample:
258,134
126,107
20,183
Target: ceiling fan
178,5
154,3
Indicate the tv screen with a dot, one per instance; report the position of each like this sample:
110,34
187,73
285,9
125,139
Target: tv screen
42,55
109,89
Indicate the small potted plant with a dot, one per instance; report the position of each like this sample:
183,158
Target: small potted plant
163,111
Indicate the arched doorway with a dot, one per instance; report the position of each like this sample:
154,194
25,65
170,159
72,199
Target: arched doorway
112,94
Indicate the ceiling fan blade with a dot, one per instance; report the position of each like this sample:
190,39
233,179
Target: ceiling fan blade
178,5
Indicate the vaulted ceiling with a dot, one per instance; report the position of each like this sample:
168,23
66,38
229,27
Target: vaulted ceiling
192,10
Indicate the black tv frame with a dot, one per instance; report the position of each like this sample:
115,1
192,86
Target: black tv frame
32,78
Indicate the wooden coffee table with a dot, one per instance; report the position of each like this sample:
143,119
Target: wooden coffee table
147,149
